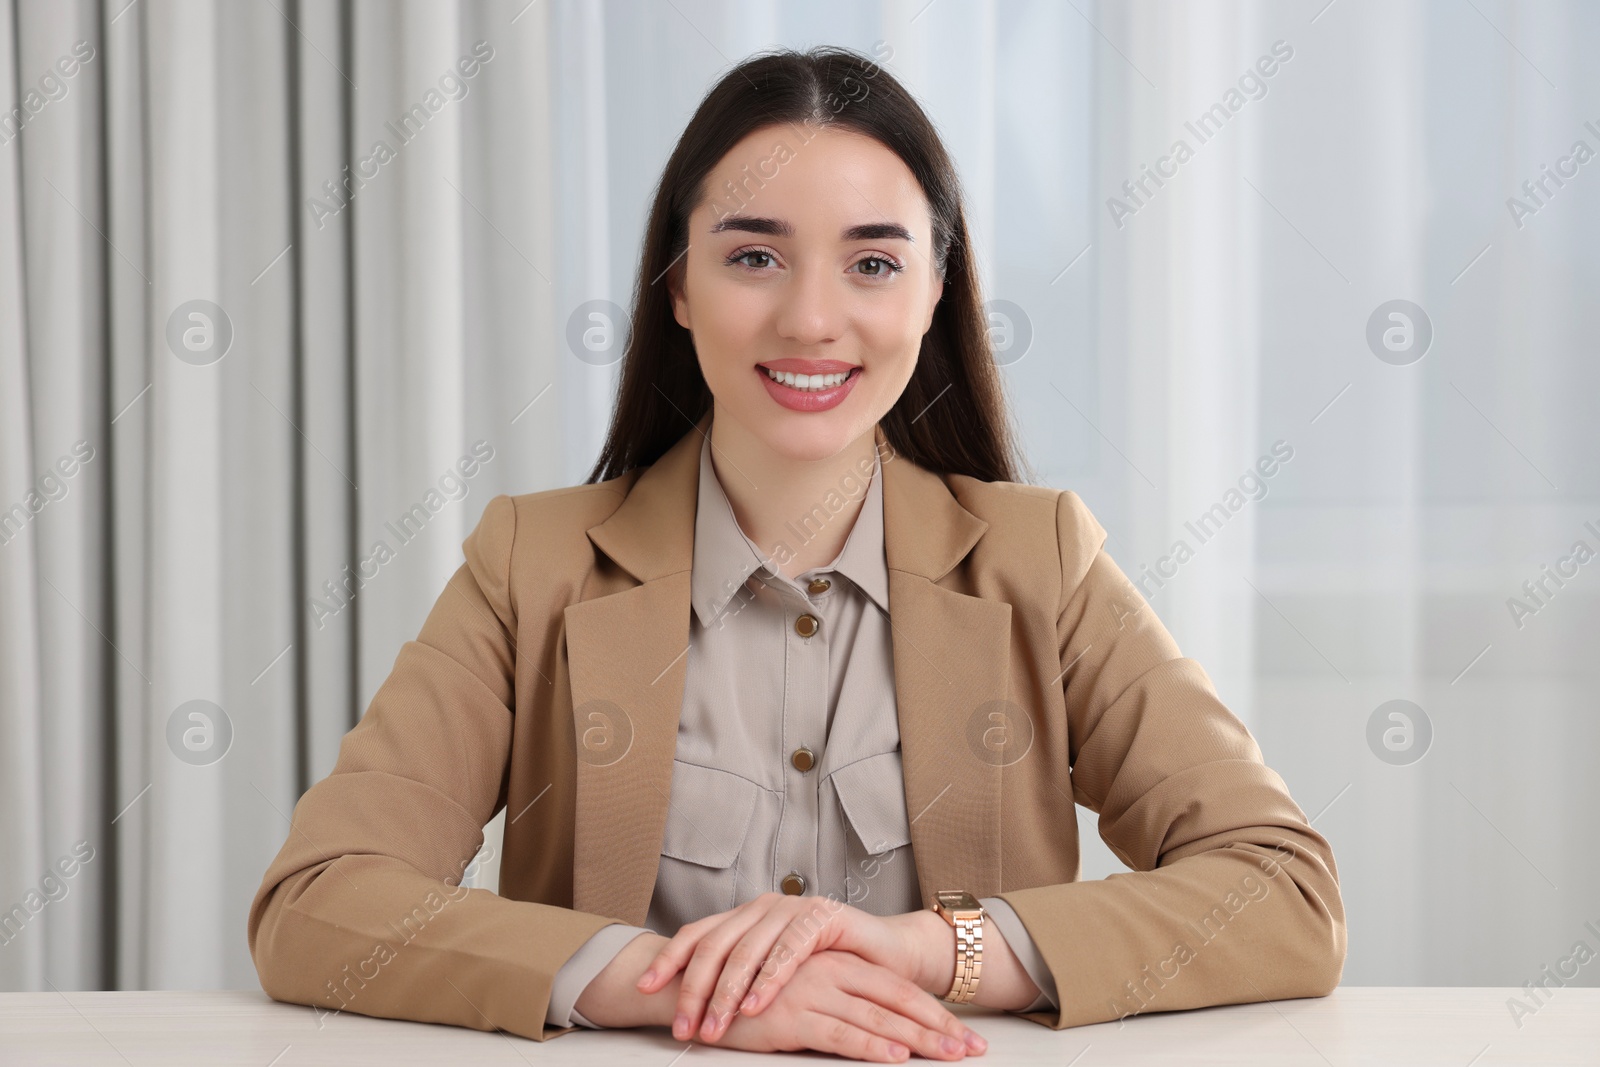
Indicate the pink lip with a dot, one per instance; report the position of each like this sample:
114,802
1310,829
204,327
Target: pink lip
795,400
809,366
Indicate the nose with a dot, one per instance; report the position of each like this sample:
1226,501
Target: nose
812,306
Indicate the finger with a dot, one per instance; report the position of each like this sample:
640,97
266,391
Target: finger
676,952
825,1031
679,949
707,961
900,995
745,960
797,936
766,957
893,1027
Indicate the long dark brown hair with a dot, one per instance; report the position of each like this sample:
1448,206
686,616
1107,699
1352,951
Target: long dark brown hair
952,417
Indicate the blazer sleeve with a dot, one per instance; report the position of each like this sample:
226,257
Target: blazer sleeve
576,974
362,910
1232,897
1021,943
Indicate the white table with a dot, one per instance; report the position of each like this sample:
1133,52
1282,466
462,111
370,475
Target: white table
1451,1027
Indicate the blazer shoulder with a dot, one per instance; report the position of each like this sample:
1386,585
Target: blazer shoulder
581,506
537,541
1013,505
1032,524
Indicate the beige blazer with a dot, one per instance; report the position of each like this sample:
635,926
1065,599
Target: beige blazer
1029,674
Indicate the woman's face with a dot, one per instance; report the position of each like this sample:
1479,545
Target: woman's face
808,257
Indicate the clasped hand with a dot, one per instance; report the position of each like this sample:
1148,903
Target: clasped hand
855,995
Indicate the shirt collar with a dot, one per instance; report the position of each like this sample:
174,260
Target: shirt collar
724,557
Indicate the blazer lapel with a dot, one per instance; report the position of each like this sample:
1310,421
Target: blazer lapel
951,661
627,655
627,659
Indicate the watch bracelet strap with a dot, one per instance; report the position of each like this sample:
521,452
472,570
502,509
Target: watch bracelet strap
969,960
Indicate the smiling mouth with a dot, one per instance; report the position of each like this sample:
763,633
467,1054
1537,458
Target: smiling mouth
809,383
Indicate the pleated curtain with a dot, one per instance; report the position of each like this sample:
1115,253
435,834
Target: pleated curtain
366,333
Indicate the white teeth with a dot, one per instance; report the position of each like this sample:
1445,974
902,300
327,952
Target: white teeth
809,383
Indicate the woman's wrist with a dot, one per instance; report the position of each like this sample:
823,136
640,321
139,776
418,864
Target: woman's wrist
1004,984
935,946
612,998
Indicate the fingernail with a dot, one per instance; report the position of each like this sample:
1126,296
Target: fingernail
680,1026
646,978
976,1043
709,1027
950,1044
749,1002
896,1049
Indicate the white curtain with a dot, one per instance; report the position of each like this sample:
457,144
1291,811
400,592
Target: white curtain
380,342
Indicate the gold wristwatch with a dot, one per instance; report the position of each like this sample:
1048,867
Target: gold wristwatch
962,911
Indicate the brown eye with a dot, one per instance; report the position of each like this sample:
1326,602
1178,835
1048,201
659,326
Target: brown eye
885,266
740,257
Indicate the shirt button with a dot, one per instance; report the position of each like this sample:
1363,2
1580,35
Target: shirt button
803,759
819,585
806,625
793,884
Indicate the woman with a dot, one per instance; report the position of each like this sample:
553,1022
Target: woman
801,659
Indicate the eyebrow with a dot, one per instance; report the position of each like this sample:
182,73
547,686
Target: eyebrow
863,231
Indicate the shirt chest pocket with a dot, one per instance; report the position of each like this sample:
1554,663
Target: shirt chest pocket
879,876
707,827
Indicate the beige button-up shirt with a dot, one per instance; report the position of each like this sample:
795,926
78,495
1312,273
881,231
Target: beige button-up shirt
787,775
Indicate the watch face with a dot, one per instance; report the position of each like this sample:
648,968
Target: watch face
958,900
